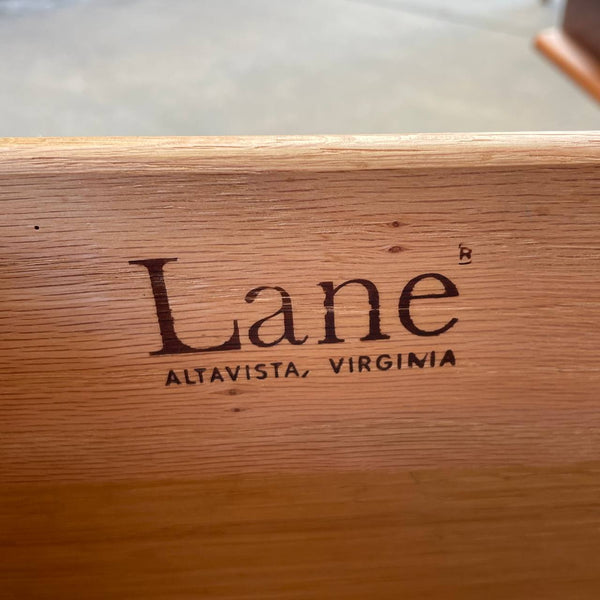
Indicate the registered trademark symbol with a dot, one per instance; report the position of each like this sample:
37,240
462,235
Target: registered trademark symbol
464,255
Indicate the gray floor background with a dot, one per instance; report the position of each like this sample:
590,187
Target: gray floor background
218,67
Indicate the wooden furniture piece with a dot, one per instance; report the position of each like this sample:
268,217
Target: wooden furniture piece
575,47
284,368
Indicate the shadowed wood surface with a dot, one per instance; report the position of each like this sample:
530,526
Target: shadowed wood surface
500,533
474,477
582,23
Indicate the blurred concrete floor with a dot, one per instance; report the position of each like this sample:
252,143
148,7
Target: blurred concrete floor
216,67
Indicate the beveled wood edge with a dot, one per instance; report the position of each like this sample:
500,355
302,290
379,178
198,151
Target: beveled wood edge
298,153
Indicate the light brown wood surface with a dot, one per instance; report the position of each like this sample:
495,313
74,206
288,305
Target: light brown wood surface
479,479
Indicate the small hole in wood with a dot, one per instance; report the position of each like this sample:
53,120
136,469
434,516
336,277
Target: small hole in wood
36,227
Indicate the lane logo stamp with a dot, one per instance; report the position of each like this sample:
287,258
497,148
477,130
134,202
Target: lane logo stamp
233,340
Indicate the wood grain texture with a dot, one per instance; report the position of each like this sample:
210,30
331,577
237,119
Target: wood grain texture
455,481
